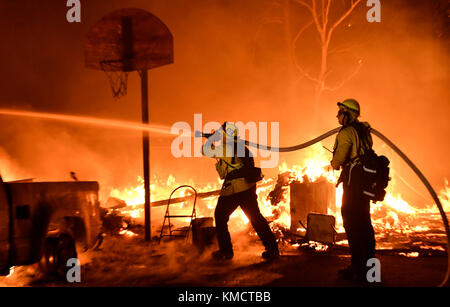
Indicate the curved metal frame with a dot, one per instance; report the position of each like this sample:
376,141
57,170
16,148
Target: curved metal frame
168,216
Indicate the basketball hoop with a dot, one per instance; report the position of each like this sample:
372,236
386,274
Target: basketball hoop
129,40
118,80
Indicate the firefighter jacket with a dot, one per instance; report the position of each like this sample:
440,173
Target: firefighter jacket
348,147
225,165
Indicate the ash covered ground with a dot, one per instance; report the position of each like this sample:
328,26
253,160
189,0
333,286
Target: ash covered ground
123,261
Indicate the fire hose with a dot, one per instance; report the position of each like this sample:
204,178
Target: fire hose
401,154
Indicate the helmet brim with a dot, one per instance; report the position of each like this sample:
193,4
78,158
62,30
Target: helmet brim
340,104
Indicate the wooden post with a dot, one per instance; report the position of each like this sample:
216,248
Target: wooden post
146,154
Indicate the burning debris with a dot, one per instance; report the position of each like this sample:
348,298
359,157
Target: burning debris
302,193
298,191
277,194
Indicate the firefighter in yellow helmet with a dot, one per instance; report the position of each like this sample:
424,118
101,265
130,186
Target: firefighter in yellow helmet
351,142
237,190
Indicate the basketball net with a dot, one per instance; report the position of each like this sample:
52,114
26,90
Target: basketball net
118,80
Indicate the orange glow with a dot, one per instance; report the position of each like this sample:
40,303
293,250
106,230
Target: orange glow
127,233
411,254
11,272
394,214
262,65
259,63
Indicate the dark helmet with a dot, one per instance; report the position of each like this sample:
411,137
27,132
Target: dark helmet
350,104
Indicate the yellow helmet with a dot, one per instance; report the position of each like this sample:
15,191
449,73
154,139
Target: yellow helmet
350,104
229,129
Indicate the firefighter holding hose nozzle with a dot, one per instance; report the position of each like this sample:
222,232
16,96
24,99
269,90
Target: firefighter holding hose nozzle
235,164
352,142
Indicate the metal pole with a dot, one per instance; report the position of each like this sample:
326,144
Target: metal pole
146,153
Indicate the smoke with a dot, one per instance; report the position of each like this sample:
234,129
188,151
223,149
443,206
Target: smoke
49,151
231,63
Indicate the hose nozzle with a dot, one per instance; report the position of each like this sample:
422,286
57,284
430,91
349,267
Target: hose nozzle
199,134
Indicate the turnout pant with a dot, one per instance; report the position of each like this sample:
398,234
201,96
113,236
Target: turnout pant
358,227
248,202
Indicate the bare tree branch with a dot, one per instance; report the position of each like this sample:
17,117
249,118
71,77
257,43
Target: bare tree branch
305,74
350,76
320,17
320,13
345,49
343,17
300,32
306,5
323,15
316,18
327,12
312,10
294,58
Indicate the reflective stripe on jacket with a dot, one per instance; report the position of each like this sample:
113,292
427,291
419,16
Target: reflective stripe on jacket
225,165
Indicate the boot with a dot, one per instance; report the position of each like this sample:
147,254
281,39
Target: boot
221,255
271,254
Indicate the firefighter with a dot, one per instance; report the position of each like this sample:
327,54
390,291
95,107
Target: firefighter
351,142
232,155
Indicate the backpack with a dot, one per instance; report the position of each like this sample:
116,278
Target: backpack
372,173
249,171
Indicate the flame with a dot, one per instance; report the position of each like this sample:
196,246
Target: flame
444,196
410,254
313,167
127,233
11,271
393,215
